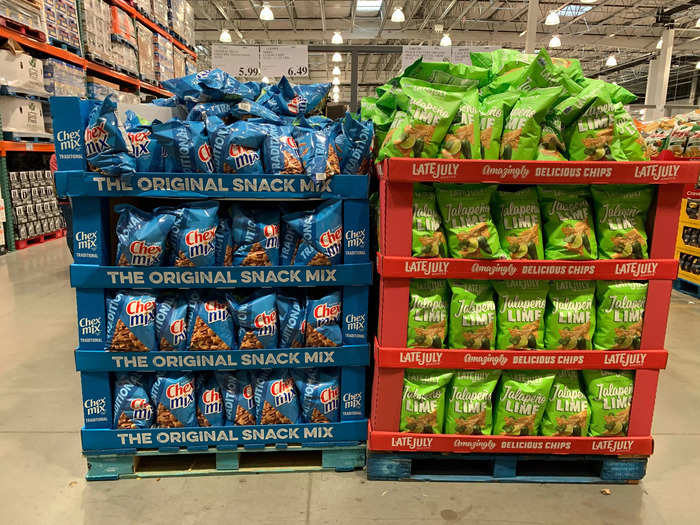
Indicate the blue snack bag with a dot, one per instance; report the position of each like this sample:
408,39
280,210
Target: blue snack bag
280,153
141,236
203,110
210,406
255,235
296,100
224,244
171,319
292,321
257,321
322,233
255,88
173,395
218,85
185,145
276,400
144,147
319,393
107,146
239,399
185,89
209,323
236,147
323,321
318,154
289,242
131,322
132,407
246,109
170,102
192,237
355,145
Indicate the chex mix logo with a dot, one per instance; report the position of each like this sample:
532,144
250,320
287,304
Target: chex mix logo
141,312
355,238
242,157
89,326
282,391
139,142
144,254
266,323
288,141
331,241
330,396
68,140
355,322
205,156
200,243
212,401
353,400
272,236
297,105
94,407
180,396
96,139
85,240
177,330
216,311
142,409
327,313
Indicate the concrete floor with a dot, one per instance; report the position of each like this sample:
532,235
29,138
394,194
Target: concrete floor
42,477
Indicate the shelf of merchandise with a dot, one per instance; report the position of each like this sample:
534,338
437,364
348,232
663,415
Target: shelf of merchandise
93,278
396,268
691,284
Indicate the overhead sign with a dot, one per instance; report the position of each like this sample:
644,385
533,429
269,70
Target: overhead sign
290,61
239,61
409,54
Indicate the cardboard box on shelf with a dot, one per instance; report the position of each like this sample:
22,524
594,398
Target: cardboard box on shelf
21,72
21,115
144,37
62,79
159,10
123,25
97,20
62,21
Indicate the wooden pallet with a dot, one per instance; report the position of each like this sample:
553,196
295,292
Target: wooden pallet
156,464
16,136
71,48
23,29
97,60
39,239
425,466
687,287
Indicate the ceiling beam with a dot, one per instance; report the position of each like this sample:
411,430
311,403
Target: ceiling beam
353,12
464,13
323,15
447,10
290,13
384,15
428,15
257,14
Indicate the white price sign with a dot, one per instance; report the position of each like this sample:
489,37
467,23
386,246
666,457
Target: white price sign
409,54
290,61
239,61
460,54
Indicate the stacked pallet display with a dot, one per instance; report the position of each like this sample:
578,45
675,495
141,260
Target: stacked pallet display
688,242
116,453
399,455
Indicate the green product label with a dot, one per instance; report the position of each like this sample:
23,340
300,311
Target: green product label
428,236
621,213
610,395
521,306
494,112
620,315
568,223
472,315
631,140
427,313
592,136
463,139
466,212
469,409
521,401
423,401
518,223
570,316
567,412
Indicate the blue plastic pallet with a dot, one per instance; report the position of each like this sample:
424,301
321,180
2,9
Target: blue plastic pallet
25,137
339,457
532,468
71,48
14,92
687,287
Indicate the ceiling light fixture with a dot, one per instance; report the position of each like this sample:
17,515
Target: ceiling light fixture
225,36
336,81
336,90
337,38
697,24
336,97
266,13
445,41
555,41
336,70
660,43
588,1
552,19
397,16
337,57
265,80
438,28
611,61
697,66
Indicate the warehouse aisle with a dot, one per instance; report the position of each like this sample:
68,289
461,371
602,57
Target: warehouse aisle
43,472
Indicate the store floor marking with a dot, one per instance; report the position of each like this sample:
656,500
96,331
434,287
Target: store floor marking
280,458
425,466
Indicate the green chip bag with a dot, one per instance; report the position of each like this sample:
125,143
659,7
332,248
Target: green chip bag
427,313
518,223
431,110
423,401
610,395
570,315
633,145
469,410
494,112
521,306
447,73
567,412
621,212
551,145
521,134
568,222
520,402
472,315
620,315
428,235
463,138
466,214
369,110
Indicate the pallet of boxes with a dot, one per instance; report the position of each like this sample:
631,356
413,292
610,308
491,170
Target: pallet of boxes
525,275
222,277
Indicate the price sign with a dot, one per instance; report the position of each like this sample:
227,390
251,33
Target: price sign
239,61
460,54
290,61
409,54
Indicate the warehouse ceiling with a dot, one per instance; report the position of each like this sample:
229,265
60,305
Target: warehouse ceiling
590,30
